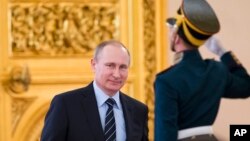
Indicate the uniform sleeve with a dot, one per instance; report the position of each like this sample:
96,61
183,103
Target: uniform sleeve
55,126
238,85
166,111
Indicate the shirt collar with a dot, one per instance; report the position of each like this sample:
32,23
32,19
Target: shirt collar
101,97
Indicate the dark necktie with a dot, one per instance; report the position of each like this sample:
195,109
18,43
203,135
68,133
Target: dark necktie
110,130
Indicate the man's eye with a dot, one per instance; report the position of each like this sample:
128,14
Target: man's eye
110,65
124,67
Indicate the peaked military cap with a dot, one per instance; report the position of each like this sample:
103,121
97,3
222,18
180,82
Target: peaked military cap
196,21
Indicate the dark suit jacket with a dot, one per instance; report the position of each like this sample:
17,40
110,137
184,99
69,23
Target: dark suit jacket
188,94
74,116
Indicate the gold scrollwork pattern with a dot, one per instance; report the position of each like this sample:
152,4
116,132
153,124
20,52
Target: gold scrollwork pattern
19,106
35,133
150,57
56,29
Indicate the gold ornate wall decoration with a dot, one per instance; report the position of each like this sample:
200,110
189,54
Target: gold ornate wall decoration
18,108
150,55
35,133
16,84
59,29
31,124
19,79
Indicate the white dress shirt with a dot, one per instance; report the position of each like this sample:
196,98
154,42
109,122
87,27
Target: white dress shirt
101,97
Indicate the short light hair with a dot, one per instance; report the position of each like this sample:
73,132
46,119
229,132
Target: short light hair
100,47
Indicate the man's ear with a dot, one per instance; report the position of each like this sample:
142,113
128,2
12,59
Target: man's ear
93,64
177,39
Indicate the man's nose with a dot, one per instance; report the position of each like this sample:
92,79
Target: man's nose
116,72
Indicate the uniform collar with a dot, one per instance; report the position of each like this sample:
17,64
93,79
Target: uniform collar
187,55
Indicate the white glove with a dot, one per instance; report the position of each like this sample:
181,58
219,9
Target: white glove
214,45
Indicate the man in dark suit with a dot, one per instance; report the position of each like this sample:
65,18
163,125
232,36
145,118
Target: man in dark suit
188,94
99,112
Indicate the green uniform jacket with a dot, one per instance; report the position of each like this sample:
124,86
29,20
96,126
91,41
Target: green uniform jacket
188,94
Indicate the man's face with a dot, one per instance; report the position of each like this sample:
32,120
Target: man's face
111,68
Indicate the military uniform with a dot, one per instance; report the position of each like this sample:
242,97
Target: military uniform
188,94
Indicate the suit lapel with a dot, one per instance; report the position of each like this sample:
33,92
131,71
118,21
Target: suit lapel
128,116
91,110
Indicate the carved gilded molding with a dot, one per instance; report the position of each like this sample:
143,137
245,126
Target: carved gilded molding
59,29
150,56
16,86
18,108
35,133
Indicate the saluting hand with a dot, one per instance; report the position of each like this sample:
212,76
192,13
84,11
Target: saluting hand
214,45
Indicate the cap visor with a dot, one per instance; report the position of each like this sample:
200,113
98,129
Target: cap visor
171,21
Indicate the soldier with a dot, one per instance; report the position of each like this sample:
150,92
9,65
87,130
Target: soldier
188,94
